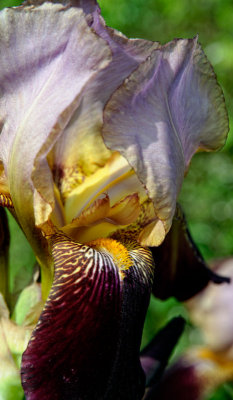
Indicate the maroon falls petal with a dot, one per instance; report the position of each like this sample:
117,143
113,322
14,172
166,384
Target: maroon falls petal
180,268
87,341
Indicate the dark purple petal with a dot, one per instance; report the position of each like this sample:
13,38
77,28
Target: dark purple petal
154,357
179,383
165,110
86,343
181,270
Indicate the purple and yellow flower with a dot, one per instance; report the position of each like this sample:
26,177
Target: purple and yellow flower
97,134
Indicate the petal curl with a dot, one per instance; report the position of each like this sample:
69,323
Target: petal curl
86,344
165,111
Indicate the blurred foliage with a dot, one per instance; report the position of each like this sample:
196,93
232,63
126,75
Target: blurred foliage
21,260
207,191
9,3
225,392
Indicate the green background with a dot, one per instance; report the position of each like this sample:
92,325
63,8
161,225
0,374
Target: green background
207,191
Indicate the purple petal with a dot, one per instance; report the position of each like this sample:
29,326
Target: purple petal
167,109
81,150
86,344
180,382
48,54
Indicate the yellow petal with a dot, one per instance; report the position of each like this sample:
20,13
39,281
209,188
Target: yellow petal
99,220
125,211
116,179
83,195
96,212
153,234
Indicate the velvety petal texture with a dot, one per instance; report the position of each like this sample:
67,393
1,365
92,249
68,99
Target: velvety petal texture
181,270
43,53
179,382
86,343
166,110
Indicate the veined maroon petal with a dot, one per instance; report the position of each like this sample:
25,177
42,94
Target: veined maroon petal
86,343
181,270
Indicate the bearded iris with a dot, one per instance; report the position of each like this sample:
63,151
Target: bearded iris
97,134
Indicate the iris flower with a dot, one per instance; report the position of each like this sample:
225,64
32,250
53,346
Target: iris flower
97,134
